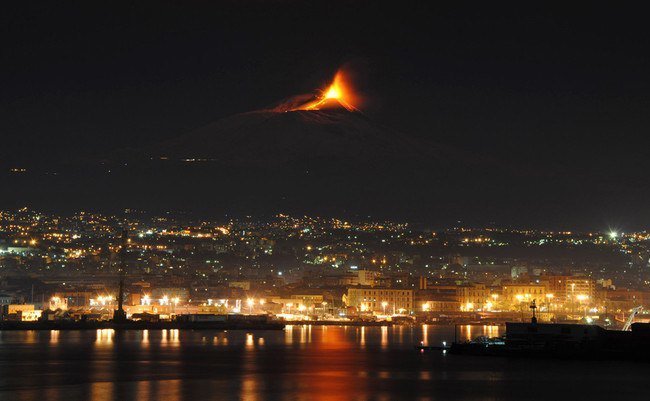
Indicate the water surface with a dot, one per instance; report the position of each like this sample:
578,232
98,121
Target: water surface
302,363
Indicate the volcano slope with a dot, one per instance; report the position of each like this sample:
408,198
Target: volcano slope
328,161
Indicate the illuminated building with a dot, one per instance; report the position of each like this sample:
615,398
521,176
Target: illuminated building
473,297
21,312
517,294
367,277
580,287
380,300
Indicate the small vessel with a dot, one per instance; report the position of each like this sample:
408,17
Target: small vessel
422,347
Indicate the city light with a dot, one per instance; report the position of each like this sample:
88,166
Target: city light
370,291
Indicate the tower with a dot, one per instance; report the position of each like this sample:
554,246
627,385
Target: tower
119,315
533,307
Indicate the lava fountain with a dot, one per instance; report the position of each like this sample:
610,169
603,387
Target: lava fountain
338,94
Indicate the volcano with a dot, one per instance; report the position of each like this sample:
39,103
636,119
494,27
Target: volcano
320,154
327,130
312,155
325,158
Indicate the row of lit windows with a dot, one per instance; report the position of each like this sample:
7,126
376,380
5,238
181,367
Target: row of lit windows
385,292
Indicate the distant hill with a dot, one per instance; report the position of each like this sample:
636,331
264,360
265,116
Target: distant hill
298,138
330,160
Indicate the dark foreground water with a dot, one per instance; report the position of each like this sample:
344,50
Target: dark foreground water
307,363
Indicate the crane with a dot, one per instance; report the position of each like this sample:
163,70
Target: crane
628,323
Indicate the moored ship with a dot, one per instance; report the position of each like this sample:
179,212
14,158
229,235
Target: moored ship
560,340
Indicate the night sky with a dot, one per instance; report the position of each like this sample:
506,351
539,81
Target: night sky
557,96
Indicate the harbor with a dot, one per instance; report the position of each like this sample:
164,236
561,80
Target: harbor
561,340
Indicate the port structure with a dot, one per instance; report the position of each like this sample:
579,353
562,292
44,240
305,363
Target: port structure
119,315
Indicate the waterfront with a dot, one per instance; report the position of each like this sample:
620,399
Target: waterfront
299,363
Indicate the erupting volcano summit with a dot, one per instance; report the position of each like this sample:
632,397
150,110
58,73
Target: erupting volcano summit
337,95
326,132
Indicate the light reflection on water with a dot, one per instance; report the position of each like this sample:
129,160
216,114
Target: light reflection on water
310,363
54,336
104,337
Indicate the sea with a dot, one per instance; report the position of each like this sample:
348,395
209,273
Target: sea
301,363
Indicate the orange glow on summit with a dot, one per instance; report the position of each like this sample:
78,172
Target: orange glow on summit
337,95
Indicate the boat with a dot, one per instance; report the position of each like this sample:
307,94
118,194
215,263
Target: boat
562,340
422,347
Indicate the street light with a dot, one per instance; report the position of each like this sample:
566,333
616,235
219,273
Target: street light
581,298
384,305
250,303
549,297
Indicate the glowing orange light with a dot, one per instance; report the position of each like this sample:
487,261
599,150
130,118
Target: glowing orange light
338,94
333,93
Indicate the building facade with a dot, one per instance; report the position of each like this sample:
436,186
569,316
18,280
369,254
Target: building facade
380,300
